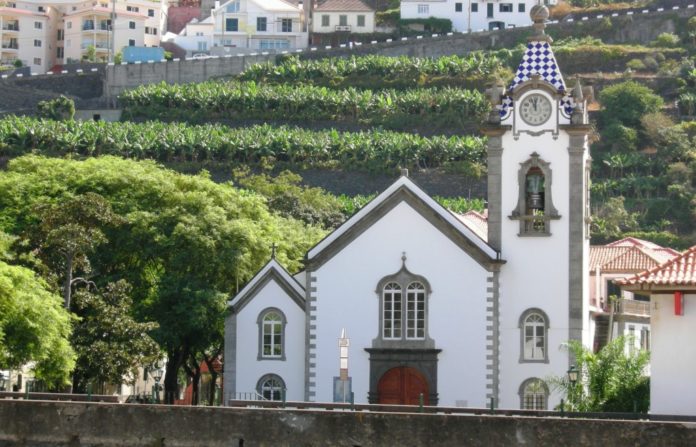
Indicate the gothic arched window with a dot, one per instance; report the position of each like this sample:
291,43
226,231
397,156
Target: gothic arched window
271,387
534,325
271,323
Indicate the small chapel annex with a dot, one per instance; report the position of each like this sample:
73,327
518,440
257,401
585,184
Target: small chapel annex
422,301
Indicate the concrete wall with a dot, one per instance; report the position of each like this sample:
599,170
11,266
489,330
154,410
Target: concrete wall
48,424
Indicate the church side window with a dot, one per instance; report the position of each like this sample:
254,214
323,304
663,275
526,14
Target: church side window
415,311
391,313
534,326
534,394
271,335
535,208
271,387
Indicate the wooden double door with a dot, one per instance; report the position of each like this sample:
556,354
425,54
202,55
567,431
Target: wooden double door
402,386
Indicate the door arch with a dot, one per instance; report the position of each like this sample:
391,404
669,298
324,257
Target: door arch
403,386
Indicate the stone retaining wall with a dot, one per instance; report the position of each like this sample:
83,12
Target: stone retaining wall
49,424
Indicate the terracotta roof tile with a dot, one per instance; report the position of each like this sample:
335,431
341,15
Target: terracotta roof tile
629,255
476,222
343,5
680,271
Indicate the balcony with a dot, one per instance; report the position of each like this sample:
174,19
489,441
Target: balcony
11,45
632,307
343,28
10,27
97,46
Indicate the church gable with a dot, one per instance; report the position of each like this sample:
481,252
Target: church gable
275,272
404,191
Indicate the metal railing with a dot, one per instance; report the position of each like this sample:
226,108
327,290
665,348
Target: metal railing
343,28
383,408
248,396
11,27
10,46
58,396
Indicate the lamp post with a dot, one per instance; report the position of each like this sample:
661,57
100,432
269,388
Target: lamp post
157,374
572,375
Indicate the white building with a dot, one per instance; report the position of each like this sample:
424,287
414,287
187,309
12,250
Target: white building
471,15
350,16
240,26
431,308
672,290
42,34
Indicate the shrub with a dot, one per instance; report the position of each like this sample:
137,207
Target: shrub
620,138
687,103
60,108
666,40
17,63
635,65
650,63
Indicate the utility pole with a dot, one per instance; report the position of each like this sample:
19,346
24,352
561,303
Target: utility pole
112,50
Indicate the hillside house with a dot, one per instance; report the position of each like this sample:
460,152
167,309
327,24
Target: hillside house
347,16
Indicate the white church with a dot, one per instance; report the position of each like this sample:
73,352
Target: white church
426,306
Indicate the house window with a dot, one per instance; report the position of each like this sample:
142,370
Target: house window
521,7
274,44
233,7
286,25
131,25
60,35
261,24
231,24
271,334
457,7
613,290
325,20
489,10
534,394
404,307
202,46
361,21
38,25
37,61
37,43
631,339
534,326
41,9
645,339
59,52
342,20
423,9
132,9
68,25
535,208
505,7
271,387
131,42
150,12
474,7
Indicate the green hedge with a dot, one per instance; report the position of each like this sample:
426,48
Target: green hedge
173,142
444,108
379,72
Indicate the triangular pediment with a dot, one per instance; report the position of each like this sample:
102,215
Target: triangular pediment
275,272
404,191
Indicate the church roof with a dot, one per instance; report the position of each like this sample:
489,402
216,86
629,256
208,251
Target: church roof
680,271
271,271
538,59
404,190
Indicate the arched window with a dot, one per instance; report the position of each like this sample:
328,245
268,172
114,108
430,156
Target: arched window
403,310
415,311
534,326
534,394
271,387
271,334
535,208
391,311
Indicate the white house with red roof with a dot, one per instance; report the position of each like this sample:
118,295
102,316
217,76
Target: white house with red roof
672,290
434,308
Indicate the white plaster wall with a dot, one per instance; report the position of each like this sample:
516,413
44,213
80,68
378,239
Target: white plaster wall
462,21
249,368
673,356
536,273
457,321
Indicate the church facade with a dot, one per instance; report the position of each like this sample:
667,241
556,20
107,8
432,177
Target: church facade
406,302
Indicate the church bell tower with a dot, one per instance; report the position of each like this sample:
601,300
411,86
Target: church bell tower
538,219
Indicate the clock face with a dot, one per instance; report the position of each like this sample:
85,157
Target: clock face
535,109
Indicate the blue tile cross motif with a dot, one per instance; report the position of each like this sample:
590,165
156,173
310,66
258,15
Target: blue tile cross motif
538,59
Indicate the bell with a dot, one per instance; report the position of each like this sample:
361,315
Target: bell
535,201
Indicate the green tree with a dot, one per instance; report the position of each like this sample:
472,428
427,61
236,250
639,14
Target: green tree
611,219
90,54
34,327
110,344
612,379
61,108
186,245
627,102
72,228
